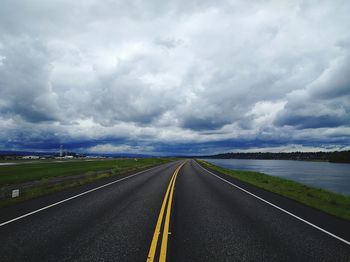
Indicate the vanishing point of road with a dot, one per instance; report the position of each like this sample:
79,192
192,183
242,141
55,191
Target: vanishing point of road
174,212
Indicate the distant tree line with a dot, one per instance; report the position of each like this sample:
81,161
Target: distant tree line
337,156
8,156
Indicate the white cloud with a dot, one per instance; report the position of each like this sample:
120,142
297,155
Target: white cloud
108,148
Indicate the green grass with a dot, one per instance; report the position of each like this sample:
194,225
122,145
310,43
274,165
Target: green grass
332,203
36,171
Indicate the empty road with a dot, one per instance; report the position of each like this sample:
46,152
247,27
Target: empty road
175,212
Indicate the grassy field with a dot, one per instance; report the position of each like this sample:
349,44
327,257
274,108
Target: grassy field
332,203
28,172
43,172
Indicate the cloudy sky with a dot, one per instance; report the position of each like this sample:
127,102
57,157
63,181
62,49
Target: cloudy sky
174,77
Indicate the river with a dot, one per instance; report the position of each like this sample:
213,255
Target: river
330,176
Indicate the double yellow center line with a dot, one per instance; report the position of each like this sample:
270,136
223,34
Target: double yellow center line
168,196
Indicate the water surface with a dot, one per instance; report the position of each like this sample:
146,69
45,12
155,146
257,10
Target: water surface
330,176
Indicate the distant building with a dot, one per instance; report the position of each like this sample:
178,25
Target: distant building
30,157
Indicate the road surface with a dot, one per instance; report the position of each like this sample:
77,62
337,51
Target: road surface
174,212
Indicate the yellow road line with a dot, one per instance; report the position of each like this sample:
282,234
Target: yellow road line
164,245
170,189
156,233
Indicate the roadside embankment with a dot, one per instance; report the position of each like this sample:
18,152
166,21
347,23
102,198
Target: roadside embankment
329,202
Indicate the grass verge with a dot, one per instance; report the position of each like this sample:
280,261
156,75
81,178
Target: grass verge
91,171
35,171
49,189
329,202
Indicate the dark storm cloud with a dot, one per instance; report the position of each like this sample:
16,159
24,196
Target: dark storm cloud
312,121
195,123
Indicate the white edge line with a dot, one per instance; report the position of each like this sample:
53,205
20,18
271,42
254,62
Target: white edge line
279,208
75,196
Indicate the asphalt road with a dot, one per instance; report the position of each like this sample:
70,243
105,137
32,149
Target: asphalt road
200,218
